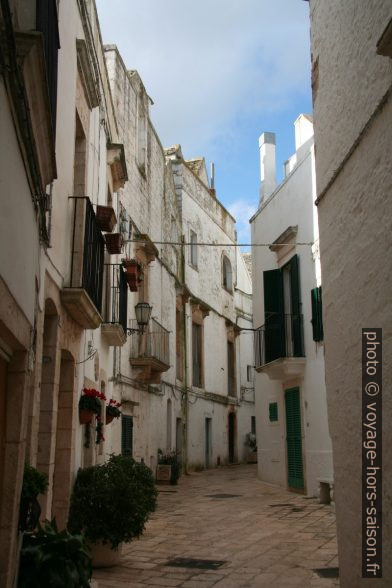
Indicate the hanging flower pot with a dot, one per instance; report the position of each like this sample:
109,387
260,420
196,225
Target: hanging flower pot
114,242
106,218
85,416
134,273
112,410
89,404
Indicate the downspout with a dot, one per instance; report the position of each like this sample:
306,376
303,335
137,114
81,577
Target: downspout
184,396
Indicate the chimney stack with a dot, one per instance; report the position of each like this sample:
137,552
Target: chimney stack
267,165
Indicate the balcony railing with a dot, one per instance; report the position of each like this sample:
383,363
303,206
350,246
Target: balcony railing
83,295
117,304
152,346
280,337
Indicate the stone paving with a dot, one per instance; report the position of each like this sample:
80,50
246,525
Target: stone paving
265,535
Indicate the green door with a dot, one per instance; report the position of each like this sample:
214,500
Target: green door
294,439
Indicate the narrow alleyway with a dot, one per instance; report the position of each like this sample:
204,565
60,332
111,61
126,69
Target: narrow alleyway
258,535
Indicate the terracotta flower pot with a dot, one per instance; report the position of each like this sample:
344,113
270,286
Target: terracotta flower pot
85,416
113,242
109,418
106,218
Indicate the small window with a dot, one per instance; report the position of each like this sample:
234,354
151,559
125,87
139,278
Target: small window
231,379
249,373
317,314
273,412
193,253
197,355
227,274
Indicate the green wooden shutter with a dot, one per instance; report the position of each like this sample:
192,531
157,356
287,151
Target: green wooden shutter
296,318
317,314
274,318
273,411
126,435
294,439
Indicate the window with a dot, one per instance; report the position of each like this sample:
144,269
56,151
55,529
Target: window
126,435
227,274
179,347
282,307
317,314
231,379
253,425
193,252
141,154
249,373
197,355
47,24
273,412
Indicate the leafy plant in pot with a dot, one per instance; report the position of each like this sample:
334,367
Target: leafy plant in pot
34,483
112,410
251,443
170,458
52,558
111,504
89,404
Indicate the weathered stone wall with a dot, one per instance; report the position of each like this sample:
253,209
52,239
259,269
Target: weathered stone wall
355,244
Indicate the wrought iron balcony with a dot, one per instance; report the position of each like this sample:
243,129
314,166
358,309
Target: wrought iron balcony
279,346
114,327
150,351
83,297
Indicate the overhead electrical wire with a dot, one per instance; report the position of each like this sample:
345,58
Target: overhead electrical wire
310,243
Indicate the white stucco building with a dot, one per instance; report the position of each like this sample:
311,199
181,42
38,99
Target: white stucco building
351,46
294,447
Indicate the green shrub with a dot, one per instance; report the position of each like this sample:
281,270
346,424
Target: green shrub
52,558
111,502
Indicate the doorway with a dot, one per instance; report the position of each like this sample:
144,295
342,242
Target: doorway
232,428
3,405
295,474
208,442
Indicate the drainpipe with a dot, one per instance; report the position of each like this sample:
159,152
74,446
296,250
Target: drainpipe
184,396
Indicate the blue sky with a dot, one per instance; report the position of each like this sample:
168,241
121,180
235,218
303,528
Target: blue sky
220,72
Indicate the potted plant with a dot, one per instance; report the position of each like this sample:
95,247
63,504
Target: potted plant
111,504
89,404
251,443
114,242
52,558
134,273
112,410
106,218
34,483
169,467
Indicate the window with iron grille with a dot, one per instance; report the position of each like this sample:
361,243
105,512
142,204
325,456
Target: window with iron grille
273,412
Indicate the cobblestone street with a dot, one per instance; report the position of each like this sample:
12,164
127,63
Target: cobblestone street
264,536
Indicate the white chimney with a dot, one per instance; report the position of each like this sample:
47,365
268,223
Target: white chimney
267,165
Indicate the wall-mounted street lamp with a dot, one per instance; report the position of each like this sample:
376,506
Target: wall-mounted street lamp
143,313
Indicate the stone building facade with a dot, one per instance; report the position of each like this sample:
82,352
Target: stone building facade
92,223
351,77
294,445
